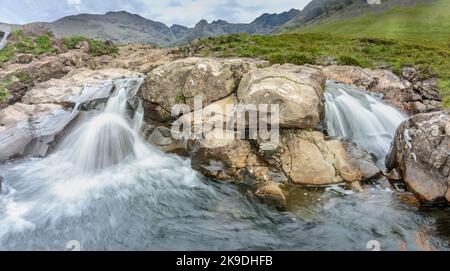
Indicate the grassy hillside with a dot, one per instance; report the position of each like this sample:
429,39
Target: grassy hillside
427,22
312,48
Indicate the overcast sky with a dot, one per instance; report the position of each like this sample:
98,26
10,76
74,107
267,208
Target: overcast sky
184,12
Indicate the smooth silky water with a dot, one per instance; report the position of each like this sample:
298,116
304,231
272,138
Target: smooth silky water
109,190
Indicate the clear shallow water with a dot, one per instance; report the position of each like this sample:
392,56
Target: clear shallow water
137,198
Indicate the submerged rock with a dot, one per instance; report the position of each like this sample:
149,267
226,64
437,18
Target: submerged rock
272,194
421,153
308,159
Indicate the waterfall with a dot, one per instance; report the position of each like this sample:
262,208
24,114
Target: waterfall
4,40
362,118
107,139
103,155
138,119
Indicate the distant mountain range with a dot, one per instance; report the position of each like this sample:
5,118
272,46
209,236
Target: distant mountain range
124,27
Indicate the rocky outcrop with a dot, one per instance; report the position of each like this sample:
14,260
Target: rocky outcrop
79,86
180,81
298,90
303,157
421,153
408,92
135,57
28,129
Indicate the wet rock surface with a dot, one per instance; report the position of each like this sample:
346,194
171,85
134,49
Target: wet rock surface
421,153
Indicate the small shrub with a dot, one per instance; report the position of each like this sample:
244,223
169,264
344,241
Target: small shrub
3,88
99,48
23,76
3,93
7,53
180,99
71,42
43,44
96,47
25,45
350,61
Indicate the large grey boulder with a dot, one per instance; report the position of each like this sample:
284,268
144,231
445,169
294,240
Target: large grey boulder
421,153
298,90
180,81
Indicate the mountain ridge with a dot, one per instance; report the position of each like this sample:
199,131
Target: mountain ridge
124,27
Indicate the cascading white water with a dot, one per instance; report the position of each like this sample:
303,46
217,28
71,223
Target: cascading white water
106,152
107,139
362,118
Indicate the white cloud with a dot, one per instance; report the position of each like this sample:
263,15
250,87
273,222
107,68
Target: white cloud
184,12
73,2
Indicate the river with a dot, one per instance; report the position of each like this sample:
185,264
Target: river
134,197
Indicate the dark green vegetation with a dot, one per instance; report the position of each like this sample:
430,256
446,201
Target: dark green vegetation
96,47
432,59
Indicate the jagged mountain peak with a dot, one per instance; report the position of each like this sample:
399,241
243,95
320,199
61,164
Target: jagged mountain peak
124,27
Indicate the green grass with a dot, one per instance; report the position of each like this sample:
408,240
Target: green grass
96,47
432,59
421,22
